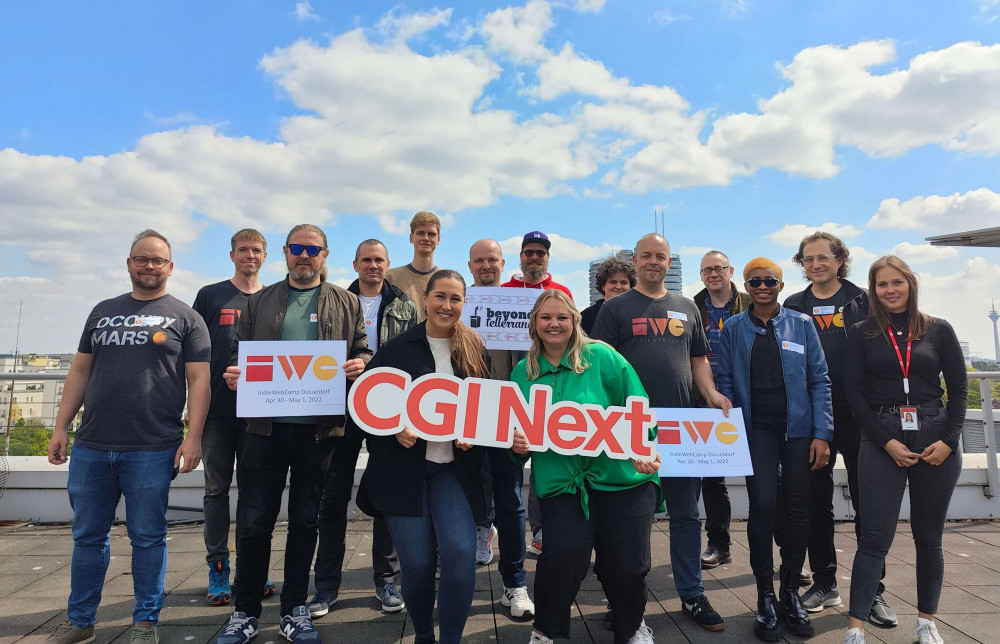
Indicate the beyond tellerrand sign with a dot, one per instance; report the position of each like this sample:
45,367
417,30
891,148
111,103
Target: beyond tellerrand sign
500,315
291,378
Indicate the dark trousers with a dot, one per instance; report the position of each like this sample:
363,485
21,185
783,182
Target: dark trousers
768,450
503,479
718,511
221,443
264,467
931,488
534,508
340,458
822,551
618,530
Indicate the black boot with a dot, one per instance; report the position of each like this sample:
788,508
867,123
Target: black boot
768,626
796,618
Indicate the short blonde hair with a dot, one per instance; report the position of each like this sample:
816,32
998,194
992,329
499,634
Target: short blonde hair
248,234
424,218
577,338
761,262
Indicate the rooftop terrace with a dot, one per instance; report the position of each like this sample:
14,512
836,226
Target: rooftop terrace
34,583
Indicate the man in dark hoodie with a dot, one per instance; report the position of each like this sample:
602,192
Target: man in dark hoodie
834,304
387,311
718,302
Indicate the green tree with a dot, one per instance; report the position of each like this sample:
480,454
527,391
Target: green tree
975,397
29,438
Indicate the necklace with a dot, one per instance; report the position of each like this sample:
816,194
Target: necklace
898,331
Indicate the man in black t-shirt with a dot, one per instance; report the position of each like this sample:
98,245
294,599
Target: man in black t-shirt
221,306
138,353
835,304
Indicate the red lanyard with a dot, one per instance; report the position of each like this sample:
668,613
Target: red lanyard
905,368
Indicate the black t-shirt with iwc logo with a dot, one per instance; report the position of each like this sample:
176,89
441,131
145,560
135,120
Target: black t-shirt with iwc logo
221,305
137,386
828,316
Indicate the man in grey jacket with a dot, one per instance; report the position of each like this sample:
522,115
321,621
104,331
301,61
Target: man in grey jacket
304,306
387,313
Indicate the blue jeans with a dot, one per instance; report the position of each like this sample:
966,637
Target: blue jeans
448,517
681,496
503,479
97,480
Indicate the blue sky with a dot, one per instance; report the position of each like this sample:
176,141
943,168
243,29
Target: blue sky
748,123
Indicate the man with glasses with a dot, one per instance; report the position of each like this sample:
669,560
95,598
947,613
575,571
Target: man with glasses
425,235
221,305
304,306
834,304
717,302
137,355
662,336
535,264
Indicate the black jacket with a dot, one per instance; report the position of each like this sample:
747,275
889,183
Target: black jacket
854,311
396,312
393,481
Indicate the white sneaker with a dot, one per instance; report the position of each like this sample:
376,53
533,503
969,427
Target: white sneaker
854,636
644,635
927,632
518,601
538,638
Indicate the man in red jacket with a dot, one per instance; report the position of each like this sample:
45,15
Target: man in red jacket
535,264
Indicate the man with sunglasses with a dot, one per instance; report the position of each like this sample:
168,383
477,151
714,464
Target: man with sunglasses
717,302
535,264
835,304
303,306
137,355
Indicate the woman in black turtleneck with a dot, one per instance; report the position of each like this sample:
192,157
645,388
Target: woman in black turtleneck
895,359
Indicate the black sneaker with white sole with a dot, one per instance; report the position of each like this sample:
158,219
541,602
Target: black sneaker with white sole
701,610
882,614
819,597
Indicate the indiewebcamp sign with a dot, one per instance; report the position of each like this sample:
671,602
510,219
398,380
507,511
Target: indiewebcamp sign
291,378
439,407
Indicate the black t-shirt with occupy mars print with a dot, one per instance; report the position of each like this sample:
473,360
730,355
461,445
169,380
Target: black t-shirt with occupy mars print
137,386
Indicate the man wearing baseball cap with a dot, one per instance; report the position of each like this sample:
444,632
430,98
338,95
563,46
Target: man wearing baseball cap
535,264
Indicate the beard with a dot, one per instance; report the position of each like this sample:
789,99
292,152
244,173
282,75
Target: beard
533,272
304,274
149,282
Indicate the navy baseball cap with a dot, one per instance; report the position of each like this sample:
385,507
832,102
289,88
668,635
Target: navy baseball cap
537,237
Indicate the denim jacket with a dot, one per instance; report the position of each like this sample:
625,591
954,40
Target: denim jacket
807,385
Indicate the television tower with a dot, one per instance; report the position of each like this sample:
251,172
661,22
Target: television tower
996,338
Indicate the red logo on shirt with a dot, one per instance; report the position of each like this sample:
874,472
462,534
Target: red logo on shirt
228,317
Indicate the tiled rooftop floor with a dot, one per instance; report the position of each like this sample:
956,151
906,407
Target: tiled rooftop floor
34,583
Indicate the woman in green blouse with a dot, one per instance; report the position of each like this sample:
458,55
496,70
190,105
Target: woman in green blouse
588,502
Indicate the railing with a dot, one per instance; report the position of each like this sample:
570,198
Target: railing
986,379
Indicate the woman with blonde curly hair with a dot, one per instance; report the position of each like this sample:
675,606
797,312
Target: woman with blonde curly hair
588,502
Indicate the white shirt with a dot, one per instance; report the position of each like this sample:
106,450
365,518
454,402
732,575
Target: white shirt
370,307
441,451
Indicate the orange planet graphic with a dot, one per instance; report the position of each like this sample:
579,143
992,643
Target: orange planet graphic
159,337
676,327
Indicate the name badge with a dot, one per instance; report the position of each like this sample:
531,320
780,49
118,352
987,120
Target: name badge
676,315
909,419
313,317
792,346
824,310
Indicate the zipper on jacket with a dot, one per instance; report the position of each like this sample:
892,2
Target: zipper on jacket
788,414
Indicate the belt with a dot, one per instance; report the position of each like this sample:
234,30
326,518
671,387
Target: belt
926,408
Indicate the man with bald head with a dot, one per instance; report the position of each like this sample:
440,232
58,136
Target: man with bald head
502,477
662,336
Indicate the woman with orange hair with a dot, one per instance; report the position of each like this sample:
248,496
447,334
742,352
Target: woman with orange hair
771,364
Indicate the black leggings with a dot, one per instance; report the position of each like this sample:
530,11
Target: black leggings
883,481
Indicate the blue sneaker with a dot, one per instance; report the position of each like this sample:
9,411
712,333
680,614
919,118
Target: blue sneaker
321,602
239,630
392,601
268,589
298,627
219,593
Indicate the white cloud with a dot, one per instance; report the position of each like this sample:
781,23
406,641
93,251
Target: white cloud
665,17
949,213
401,26
792,234
518,32
916,254
963,298
861,257
694,251
183,117
735,8
563,249
589,5
304,11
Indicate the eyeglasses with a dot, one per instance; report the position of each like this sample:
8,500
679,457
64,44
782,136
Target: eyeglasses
312,251
718,270
142,262
819,259
769,282
535,252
